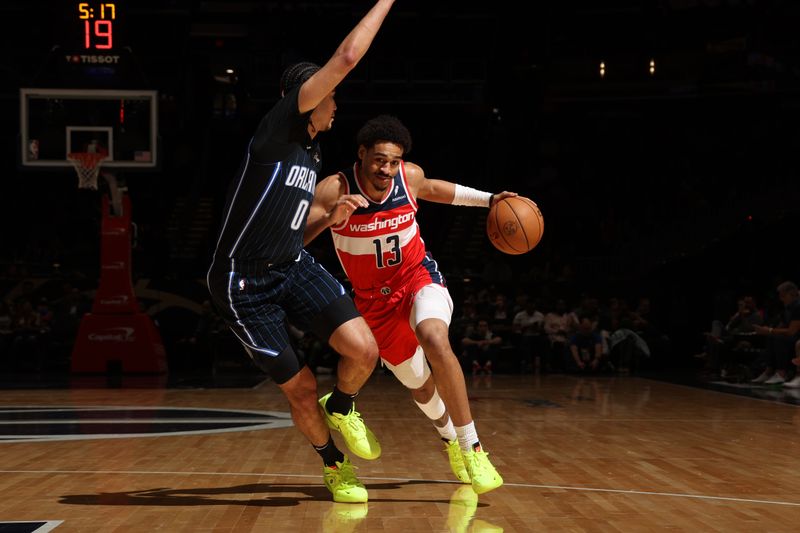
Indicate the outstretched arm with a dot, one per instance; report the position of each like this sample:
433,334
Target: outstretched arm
445,192
330,207
346,57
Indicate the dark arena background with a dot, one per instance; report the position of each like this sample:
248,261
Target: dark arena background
659,139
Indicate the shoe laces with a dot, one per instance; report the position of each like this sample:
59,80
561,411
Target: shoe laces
453,449
353,420
347,473
478,462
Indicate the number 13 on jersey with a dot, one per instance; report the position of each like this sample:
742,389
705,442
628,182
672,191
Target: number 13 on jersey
388,245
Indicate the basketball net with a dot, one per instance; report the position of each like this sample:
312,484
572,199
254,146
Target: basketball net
87,165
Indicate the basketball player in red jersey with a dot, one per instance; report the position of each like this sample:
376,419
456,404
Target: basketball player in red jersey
398,287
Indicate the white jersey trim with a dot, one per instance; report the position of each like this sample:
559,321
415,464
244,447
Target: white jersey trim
411,199
366,246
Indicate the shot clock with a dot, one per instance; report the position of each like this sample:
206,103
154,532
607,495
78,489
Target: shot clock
98,24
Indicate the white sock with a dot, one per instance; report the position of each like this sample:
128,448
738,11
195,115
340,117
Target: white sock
448,431
467,436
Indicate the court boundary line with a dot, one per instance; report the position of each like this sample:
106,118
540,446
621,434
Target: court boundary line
444,481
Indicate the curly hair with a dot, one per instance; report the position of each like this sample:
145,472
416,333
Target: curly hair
297,74
384,128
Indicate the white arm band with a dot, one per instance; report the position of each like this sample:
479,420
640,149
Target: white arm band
470,196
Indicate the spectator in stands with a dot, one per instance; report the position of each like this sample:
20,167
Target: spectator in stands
586,347
589,307
500,309
464,322
559,324
644,324
481,346
520,299
730,337
781,338
500,316
528,327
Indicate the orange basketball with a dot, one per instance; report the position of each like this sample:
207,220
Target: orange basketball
515,225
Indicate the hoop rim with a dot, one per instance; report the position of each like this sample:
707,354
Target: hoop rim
87,160
87,165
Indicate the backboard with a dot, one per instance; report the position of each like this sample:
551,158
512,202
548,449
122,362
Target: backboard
56,122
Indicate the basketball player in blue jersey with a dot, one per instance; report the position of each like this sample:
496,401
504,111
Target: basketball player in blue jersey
260,275
397,284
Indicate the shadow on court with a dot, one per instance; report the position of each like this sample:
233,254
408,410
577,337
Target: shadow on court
254,494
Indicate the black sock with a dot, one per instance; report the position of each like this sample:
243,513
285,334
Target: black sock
330,453
339,402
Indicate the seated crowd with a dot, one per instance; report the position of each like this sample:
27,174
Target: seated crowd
535,335
758,341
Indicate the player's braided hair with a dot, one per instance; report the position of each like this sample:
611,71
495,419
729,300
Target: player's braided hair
384,128
296,75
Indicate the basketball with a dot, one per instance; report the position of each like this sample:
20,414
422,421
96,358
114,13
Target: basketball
515,225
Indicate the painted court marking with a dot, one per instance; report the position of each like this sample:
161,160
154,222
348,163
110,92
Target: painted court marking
21,525
520,485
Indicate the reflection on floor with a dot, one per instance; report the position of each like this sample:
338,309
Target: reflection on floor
773,393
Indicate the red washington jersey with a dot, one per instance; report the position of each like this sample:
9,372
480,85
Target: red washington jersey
380,247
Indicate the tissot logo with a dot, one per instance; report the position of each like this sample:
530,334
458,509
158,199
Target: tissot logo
84,59
113,335
52,423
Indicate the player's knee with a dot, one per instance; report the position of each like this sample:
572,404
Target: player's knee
435,343
371,350
301,391
364,349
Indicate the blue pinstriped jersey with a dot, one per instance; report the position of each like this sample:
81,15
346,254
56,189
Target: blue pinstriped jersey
267,205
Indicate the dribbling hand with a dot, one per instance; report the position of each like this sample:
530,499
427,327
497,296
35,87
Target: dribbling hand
345,206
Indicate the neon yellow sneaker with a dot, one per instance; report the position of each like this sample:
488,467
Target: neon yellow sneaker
358,437
457,461
463,504
483,475
482,526
341,480
344,517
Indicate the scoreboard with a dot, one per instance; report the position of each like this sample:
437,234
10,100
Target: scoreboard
98,25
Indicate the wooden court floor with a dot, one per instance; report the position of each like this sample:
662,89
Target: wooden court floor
604,454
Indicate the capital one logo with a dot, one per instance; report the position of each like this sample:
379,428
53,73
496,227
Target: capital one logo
113,335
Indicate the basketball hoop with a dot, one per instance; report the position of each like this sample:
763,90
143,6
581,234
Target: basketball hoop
87,165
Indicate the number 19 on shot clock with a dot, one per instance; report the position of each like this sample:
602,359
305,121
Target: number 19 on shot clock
98,25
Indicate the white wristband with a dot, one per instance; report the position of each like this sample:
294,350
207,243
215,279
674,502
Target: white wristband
472,197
